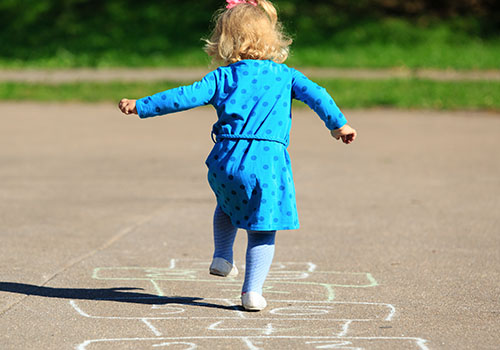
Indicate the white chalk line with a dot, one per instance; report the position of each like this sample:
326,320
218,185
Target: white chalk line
157,288
172,263
345,329
240,313
166,309
269,291
267,330
192,346
80,311
151,327
421,343
287,275
329,344
250,345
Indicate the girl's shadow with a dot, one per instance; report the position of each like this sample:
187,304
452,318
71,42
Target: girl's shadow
121,295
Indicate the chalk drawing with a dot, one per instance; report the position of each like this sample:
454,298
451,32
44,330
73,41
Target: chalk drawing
267,330
345,329
283,278
151,327
303,310
236,308
328,344
172,263
168,310
262,342
191,346
311,267
250,345
267,290
280,310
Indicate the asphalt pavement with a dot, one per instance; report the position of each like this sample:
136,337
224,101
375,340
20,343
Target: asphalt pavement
106,234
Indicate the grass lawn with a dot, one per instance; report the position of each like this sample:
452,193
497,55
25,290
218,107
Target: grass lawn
398,93
388,42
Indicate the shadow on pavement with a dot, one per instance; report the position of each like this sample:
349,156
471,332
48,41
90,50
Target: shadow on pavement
120,294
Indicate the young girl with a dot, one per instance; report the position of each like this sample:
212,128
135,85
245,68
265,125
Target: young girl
249,167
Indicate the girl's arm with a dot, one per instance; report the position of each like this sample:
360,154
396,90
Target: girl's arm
174,100
318,99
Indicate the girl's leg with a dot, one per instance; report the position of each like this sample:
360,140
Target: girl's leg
224,235
260,253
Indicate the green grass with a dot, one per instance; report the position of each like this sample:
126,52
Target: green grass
83,92
387,42
398,93
415,93
395,42
111,58
471,56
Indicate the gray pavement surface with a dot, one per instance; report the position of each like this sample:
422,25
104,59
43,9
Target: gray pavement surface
106,234
58,76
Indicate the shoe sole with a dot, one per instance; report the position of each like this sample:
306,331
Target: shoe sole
253,309
218,273
221,274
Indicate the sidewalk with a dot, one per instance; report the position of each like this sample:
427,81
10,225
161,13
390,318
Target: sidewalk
58,76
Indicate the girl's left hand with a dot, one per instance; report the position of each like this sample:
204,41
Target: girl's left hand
127,106
346,133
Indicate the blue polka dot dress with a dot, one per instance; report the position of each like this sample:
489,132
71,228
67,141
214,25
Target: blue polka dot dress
249,166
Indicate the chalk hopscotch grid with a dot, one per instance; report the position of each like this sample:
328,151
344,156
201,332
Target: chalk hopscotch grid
281,274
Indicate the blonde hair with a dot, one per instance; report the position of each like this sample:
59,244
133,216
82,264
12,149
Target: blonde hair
248,32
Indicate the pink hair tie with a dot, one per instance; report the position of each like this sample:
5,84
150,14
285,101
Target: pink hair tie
233,3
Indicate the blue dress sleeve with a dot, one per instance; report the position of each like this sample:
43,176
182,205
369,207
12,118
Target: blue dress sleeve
179,99
318,99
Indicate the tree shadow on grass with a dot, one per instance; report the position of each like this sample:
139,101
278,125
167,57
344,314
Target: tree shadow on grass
120,294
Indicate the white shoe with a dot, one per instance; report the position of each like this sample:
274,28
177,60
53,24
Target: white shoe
222,267
253,301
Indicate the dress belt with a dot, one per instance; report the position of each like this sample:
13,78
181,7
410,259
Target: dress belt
248,137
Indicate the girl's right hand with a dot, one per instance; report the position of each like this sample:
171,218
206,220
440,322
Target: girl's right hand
127,106
346,133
